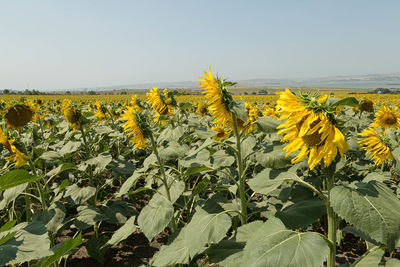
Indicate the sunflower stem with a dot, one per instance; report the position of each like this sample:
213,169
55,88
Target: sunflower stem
332,228
242,192
164,177
84,139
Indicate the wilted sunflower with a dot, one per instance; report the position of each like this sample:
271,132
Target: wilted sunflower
18,115
162,103
387,118
377,148
309,129
135,125
16,155
218,98
222,133
73,115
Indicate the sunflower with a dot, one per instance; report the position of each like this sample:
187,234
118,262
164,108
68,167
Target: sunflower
222,133
202,109
16,155
269,111
18,115
135,125
72,115
377,148
161,102
366,105
387,118
218,98
136,103
309,129
101,111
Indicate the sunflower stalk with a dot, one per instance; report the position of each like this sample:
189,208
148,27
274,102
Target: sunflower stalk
332,227
84,139
164,177
242,192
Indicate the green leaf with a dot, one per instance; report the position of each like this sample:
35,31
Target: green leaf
50,156
301,214
100,162
15,178
30,242
270,179
196,169
273,157
171,134
66,247
175,253
96,249
123,232
61,168
226,253
176,189
118,211
201,186
247,146
239,108
348,101
268,124
274,245
79,194
8,225
52,217
11,194
87,217
155,216
373,257
128,184
172,152
205,228
372,208
70,147
221,159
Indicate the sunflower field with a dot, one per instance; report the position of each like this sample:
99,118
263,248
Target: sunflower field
297,179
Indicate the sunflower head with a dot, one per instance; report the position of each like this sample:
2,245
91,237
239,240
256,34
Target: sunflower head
366,105
136,126
18,115
218,98
376,145
387,118
73,116
222,133
162,103
310,128
202,109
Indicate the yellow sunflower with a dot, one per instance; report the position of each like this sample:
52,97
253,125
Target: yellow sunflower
218,99
101,111
161,103
72,115
269,111
308,129
377,149
202,109
387,118
135,126
18,115
16,155
222,133
135,102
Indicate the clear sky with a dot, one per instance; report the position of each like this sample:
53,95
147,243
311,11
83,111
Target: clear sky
54,44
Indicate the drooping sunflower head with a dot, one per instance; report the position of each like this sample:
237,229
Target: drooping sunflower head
218,98
366,105
135,126
73,116
222,133
310,128
162,103
376,145
18,115
202,109
387,118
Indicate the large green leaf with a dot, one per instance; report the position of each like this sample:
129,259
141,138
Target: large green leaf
175,253
239,108
15,178
268,124
155,216
87,217
173,151
205,228
30,242
66,247
70,147
128,184
79,194
124,232
302,213
176,189
11,194
52,217
348,101
100,162
373,257
371,207
270,179
273,245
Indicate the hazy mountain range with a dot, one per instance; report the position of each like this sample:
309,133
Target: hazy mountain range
388,80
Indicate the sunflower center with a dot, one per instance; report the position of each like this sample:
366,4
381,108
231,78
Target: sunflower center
389,119
221,133
313,139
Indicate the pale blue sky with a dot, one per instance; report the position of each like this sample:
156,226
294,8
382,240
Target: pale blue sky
54,44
